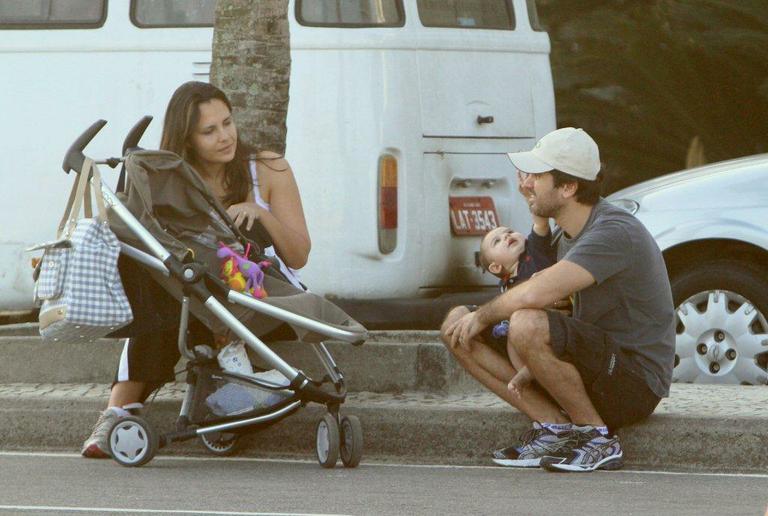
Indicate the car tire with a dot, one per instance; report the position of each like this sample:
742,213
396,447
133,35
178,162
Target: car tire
722,335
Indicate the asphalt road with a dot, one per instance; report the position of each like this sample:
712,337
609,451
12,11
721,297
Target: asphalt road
57,483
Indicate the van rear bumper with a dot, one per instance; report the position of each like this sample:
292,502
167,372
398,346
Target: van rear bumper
412,313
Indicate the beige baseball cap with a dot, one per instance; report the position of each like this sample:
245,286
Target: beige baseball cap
568,150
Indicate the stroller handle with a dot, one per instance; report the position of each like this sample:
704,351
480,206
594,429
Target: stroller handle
131,143
134,135
73,159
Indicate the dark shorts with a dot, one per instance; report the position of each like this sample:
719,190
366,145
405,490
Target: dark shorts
613,381
497,344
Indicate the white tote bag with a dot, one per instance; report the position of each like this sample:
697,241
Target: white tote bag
78,286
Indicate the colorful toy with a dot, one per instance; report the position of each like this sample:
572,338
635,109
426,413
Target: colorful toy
242,274
500,330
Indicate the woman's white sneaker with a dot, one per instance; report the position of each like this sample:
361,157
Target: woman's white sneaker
96,447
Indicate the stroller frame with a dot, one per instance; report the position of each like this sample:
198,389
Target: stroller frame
133,442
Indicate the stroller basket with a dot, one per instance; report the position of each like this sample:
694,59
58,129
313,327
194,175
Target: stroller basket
218,405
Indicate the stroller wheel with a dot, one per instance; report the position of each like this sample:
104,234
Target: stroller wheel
351,441
220,443
327,441
132,441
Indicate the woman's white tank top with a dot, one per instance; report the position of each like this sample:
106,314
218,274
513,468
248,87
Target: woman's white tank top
291,274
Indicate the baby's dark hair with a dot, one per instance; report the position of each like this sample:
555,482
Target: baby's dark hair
482,260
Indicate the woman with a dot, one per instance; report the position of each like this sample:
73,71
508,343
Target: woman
252,186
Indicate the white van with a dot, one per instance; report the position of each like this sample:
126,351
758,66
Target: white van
401,112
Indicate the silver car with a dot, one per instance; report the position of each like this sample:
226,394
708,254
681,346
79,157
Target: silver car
711,223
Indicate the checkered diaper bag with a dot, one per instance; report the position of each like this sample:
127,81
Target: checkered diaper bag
78,285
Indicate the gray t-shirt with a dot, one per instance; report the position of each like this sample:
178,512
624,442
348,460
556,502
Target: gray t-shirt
631,300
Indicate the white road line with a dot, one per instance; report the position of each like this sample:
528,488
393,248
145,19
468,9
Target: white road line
164,458
106,510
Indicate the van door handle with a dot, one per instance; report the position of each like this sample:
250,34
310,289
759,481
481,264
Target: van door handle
466,182
484,119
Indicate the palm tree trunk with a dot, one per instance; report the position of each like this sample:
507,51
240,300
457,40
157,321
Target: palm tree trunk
252,65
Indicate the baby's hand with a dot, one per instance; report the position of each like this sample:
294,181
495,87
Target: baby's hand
525,191
541,225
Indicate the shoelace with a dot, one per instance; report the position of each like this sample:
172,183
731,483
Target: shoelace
102,418
578,439
100,428
530,435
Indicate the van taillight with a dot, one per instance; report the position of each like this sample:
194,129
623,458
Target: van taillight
387,203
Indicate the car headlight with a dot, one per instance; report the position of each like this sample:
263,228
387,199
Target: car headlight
626,204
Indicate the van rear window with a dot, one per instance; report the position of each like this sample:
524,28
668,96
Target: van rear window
467,14
350,13
173,13
52,14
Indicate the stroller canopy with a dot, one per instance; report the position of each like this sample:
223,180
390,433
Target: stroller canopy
168,197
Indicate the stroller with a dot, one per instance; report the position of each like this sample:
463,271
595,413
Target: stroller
162,221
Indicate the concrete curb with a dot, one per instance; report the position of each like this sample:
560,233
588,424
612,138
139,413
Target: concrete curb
416,404
388,362
714,428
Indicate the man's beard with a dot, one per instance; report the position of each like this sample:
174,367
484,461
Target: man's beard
541,208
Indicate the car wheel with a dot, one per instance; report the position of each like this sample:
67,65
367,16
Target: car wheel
722,333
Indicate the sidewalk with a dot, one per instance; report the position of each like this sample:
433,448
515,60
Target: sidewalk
415,406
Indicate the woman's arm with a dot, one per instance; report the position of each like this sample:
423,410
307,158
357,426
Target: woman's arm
285,223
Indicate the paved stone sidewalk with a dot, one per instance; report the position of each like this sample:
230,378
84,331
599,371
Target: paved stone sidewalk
706,401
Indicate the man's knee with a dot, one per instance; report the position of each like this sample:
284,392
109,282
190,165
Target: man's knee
528,331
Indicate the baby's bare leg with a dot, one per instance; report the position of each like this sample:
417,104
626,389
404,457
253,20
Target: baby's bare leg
518,383
514,358
523,376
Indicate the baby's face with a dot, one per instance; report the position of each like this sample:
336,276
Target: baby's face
503,247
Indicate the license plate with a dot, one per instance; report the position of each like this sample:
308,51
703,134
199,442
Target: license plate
472,215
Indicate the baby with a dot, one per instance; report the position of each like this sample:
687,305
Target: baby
513,258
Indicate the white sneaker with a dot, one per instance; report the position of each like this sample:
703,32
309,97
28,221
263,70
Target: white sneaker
96,447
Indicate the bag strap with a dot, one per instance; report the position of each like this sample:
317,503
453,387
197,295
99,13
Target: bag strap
87,201
64,217
80,196
100,207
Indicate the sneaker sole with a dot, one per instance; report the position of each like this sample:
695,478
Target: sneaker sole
94,452
518,463
609,463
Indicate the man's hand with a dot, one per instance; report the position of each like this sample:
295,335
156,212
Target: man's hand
464,331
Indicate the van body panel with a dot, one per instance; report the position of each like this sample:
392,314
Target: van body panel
62,81
361,107
356,94
494,84
448,261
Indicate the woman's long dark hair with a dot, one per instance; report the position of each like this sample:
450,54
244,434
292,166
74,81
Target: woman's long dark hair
181,118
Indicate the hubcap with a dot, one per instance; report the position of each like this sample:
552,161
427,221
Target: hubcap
720,339
129,441
218,441
323,443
